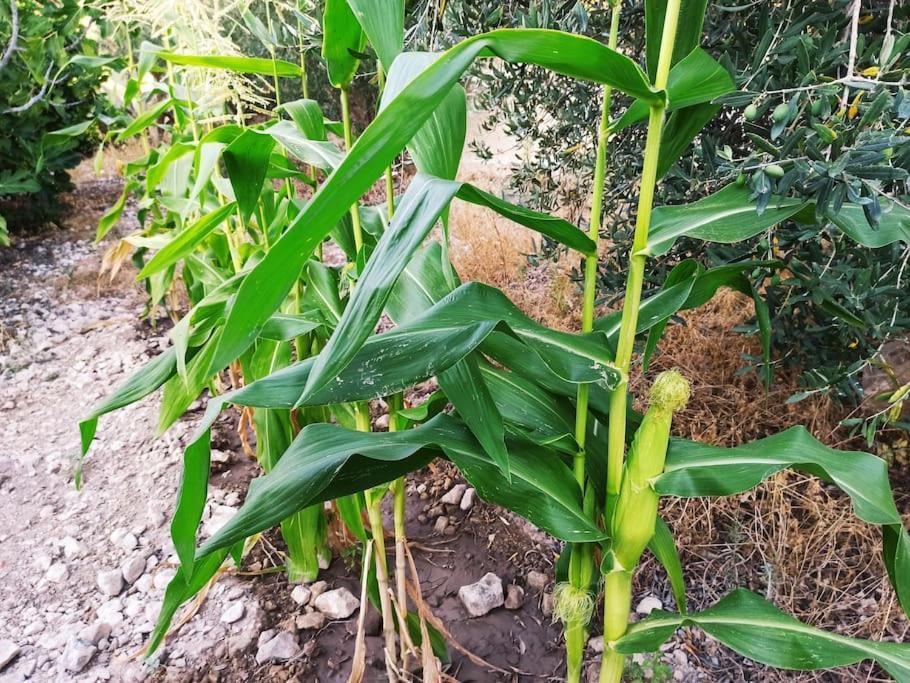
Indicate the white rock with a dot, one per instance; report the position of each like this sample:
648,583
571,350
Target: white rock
163,578
73,549
313,621
537,580
128,541
337,604
482,596
95,633
278,649
8,652
233,613
221,457
110,613
143,583
117,535
317,589
301,595
77,655
515,596
219,516
648,605
596,644
467,500
57,572
133,568
453,497
110,582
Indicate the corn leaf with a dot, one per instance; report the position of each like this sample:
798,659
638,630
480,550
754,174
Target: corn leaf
247,162
185,241
343,40
753,627
664,549
383,23
307,116
725,216
269,282
696,470
243,65
688,32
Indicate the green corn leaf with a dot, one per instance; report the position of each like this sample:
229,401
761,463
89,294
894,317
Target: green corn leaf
307,116
156,173
243,65
725,216
680,129
695,470
327,461
186,241
139,385
438,145
753,627
140,123
894,225
466,389
318,153
112,216
664,549
695,81
342,41
289,326
269,282
383,23
247,162
688,31
421,205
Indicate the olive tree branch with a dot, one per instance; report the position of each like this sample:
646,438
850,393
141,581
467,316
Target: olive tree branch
14,35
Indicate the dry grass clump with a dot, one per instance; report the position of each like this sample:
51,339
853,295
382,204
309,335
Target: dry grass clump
793,539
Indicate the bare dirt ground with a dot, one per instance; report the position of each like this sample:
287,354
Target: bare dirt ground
82,573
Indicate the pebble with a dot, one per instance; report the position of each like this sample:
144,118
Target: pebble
441,524
648,605
467,500
317,589
95,633
337,604
77,655
546,604
163,578
453,497
233,613
128,541
133,568
73,549
482,596
537,580
278,649
301,595
515,596
57,572
8,652
596,644
313,621
110,582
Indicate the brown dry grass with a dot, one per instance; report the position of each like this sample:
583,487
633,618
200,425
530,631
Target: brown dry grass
793,539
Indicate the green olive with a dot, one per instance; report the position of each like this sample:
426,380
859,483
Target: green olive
774,171
781,112
816,107
751,112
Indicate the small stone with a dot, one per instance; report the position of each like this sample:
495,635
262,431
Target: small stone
453,497
233,613
484,595
546,604
57,572
133,568
110,582
421,488
301,595
8,652
73,549
382,422
163,578
648,605
596,644
537,580
220,457
265,636
219,516
95,633
467,500
77,655
515,596
337,604
312,621
441,524
128,541
317,589
281,648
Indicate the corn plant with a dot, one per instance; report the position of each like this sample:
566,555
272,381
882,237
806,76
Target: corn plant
541,421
